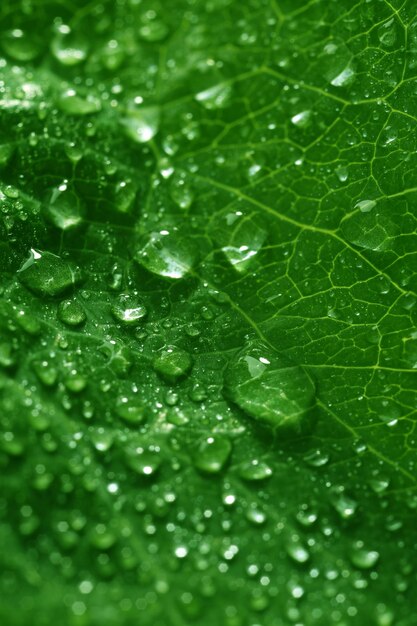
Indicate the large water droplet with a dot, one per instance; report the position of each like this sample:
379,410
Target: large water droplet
254,470
363,558
67,48
72,103
47,274
373,229
141,124
167,254
20,45
71,313
128,310
344,78
173,364
271,389
62,207
212,454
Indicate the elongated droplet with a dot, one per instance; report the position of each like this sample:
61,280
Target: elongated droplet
47,274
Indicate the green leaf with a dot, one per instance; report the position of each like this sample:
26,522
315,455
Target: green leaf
208,313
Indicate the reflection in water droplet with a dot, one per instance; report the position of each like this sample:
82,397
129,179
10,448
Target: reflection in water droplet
173,364
68,49
345,78
47,274
365,205
363,558
167,254
62,207
71,313
217,97
342,173
254,470
387,33
302,119
141,124
128,310
73,104
212,454
271,389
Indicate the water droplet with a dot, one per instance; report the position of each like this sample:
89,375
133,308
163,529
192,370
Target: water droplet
255,515
167,254
387,33
254,470
71,312
73,151
143,461
344,504
372,230
363,558
342,173
316,458
173,364
72,103
181,193
102,538
47,274
296,550
128,310
130,408
365,205
6,151
344,78
102,439
302,119
141,124
62,207
68,49
271,389
20,46
153,28
217,97
46,371
212,454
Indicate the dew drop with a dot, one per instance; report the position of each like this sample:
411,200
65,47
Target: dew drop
344,78
128,310
166,254
363,558
173,364
302,119
68,49
72,103
130,408
47,274
270,389
254,470
217,97
20,45
212,454
62,207
71,312
365,205
141,124
387,33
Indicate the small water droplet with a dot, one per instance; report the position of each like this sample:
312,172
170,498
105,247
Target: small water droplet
62,207
342,173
